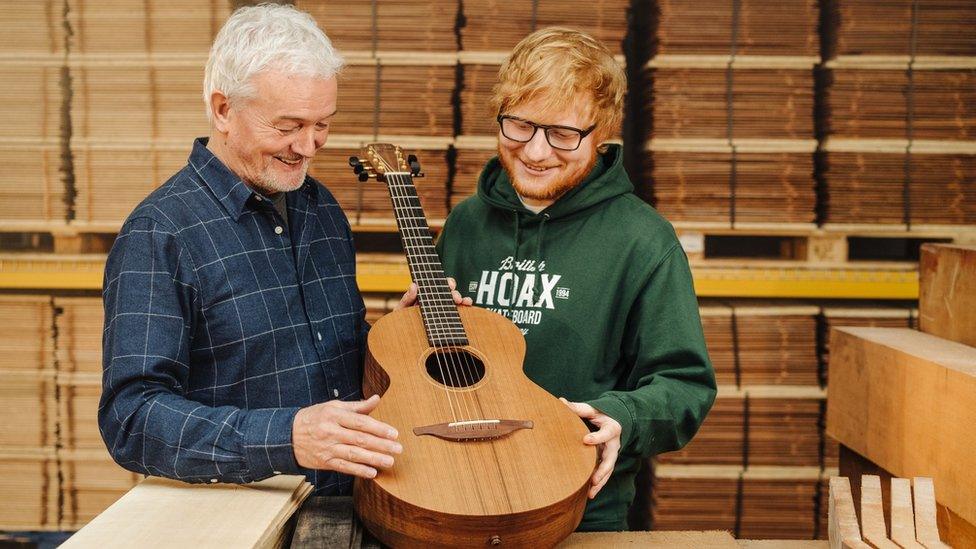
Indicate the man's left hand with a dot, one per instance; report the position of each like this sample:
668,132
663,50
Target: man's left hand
607,437
409,298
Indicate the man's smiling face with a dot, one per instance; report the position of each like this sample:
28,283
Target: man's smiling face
272,137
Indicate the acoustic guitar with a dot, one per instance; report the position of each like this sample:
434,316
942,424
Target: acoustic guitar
489,457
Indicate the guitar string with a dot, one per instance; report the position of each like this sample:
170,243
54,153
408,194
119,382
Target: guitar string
445,361
461,363
401,223
430,306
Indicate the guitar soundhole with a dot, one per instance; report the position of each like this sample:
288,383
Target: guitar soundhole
455,368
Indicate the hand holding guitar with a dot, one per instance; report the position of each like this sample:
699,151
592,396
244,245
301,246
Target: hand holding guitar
409,298
340,436
607,437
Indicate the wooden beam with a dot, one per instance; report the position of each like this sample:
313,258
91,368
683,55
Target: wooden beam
872,514
947,292
905,401
903,514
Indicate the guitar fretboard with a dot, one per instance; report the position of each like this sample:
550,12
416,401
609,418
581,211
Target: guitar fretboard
441,319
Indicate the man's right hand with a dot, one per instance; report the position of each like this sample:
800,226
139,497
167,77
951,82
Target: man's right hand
340,436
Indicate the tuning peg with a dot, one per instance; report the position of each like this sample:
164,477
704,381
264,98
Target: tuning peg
363,176
354,161
414,166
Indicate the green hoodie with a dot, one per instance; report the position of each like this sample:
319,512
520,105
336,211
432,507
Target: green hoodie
602,290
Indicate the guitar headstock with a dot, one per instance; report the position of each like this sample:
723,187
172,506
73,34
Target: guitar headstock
381,159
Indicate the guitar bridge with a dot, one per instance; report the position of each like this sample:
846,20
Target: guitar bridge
478,429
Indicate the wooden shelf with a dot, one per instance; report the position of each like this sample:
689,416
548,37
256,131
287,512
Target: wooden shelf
388,274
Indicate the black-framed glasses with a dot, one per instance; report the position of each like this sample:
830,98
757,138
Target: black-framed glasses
564,138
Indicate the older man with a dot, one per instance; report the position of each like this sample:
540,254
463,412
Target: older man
596,279
234,329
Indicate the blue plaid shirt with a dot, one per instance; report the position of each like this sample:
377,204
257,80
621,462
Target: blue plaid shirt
220,323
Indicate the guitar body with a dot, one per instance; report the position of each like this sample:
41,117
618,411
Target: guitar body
525,488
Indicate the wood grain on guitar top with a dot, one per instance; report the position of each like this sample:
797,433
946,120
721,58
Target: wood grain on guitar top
526,488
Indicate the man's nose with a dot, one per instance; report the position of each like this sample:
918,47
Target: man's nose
538,147
306,143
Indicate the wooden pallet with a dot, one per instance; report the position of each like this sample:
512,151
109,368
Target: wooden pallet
806,243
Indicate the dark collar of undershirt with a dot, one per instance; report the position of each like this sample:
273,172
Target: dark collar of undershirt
280,203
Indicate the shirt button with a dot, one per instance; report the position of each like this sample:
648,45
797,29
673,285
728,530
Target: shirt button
318,335
279,230
213,481
335,392
277,472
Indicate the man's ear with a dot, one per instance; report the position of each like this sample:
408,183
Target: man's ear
220,111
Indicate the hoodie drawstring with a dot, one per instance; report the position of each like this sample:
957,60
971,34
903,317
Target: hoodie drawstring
538,250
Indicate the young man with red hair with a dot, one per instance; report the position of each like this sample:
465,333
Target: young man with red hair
556,241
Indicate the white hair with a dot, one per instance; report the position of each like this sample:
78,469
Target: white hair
257,38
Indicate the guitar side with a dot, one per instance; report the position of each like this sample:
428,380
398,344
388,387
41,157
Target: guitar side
527,487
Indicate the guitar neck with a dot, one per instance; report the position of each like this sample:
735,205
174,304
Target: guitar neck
441,319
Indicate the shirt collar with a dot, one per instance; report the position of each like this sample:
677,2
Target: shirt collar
229,189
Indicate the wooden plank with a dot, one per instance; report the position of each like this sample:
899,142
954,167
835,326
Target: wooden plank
843,531
904,400
680,540
167,513
926,527
947,292
902,514
872,513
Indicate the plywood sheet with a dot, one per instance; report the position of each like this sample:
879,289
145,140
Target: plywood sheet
167,513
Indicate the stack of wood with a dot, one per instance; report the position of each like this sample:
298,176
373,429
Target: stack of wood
397,86
727,112
472,155
208,515
898,113
942,27
757,503
765,425
869,104
395,97
784,431
757,426
895,181
763,27
91,480
762,344
31,99
694,181
28,435
397,25
903,400
136,82
695,497
497,26
368,204
778,503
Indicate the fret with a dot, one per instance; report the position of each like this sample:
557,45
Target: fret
442,322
